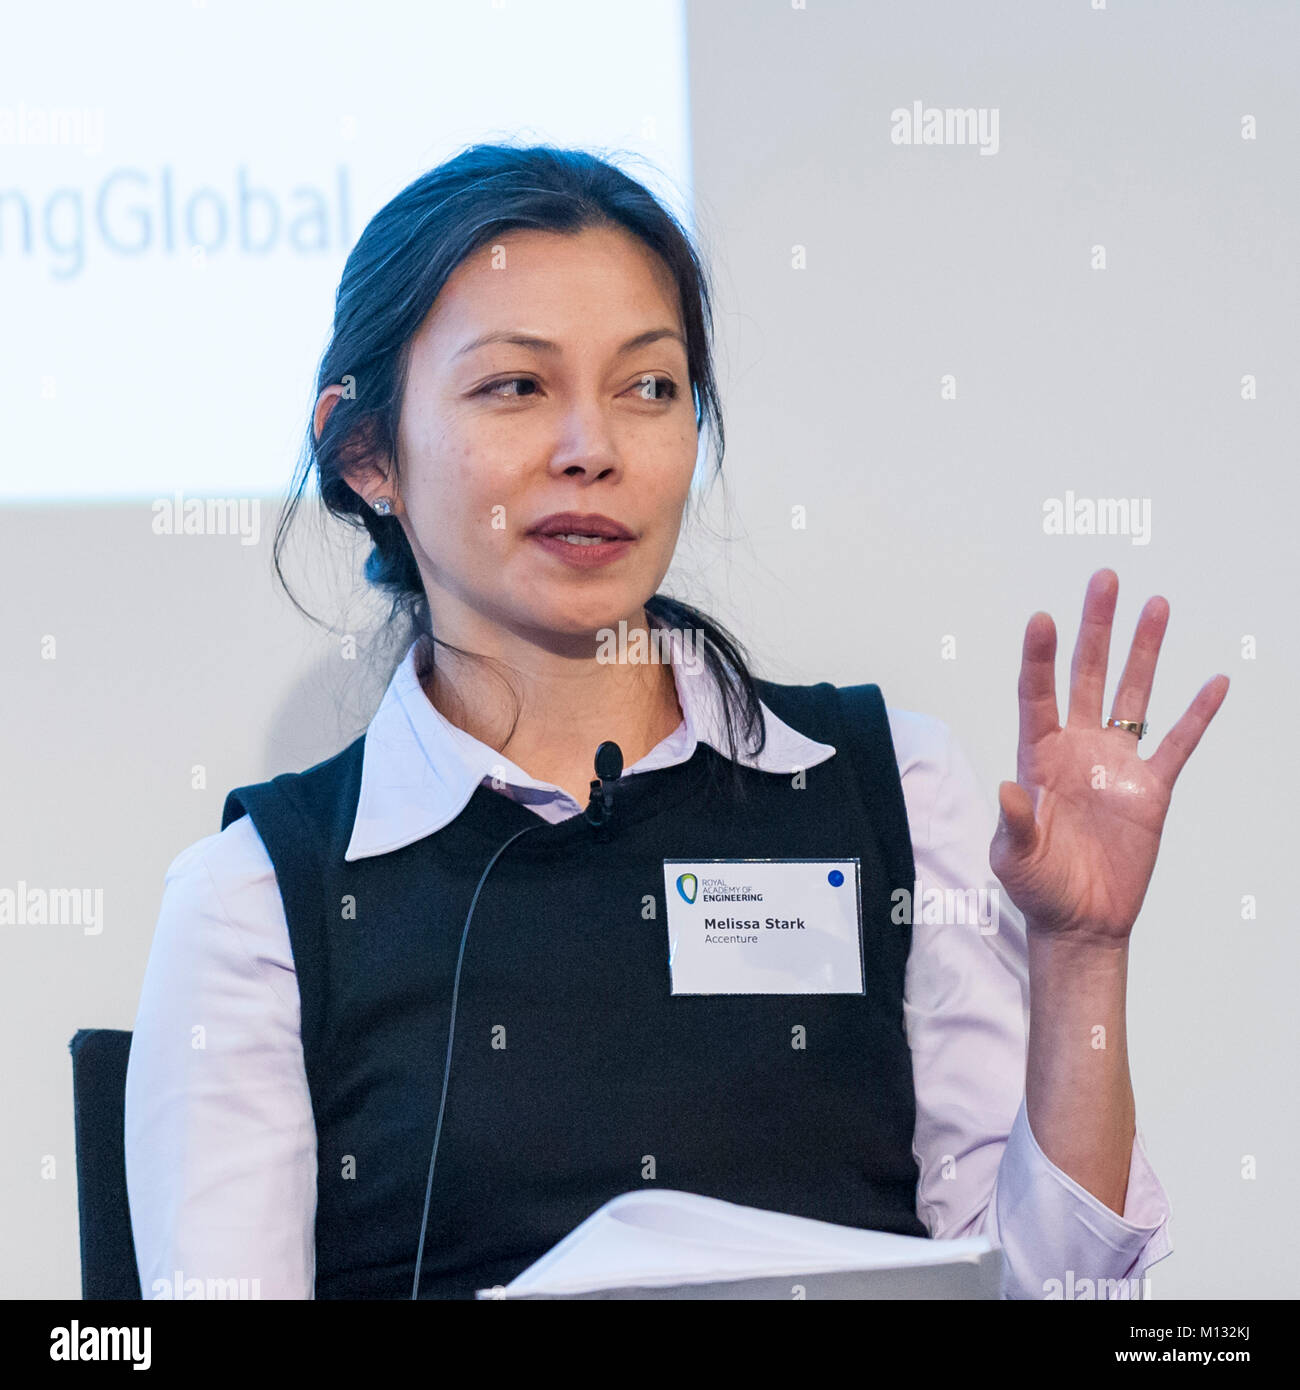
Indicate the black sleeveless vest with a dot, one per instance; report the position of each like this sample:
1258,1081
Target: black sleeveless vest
576,1075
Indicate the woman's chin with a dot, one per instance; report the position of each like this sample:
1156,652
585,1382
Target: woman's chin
582,623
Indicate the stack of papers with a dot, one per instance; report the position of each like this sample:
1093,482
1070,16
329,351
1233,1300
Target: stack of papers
664,1244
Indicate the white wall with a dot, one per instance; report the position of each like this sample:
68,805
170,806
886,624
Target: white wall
1118,127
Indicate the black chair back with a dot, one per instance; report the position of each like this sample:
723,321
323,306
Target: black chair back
108,1268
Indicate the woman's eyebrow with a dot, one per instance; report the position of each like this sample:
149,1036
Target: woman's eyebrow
527,340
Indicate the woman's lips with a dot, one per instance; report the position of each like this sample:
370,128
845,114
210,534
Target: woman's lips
589,555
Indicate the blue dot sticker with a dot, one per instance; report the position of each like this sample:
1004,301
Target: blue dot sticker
835,878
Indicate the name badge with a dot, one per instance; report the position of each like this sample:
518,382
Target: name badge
764,926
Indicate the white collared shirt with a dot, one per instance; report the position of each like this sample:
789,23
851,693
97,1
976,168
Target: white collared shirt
220,1140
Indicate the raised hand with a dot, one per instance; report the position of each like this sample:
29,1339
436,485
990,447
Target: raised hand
1081,824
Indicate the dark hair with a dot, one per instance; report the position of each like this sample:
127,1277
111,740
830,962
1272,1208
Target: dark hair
389,284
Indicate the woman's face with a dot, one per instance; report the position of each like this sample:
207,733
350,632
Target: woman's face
593,415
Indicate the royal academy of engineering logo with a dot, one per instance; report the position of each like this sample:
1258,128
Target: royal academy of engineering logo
688,885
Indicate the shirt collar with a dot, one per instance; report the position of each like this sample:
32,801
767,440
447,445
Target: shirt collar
419,770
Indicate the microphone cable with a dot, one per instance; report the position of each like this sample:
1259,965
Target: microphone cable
451,1034
609,767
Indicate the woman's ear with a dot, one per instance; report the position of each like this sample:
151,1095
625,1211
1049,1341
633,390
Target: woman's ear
324,404
368,481
372,485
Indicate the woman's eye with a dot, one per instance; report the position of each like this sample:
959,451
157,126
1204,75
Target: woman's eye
494,388
647,384
651,388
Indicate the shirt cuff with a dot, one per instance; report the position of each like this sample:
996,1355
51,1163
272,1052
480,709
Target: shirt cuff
1059,1241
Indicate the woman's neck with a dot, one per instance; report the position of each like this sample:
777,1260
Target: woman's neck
566,706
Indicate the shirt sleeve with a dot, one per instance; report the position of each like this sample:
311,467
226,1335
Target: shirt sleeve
219,1132
966,1010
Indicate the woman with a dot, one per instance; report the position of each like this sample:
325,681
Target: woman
415,1013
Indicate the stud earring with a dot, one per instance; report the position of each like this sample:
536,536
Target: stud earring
382,506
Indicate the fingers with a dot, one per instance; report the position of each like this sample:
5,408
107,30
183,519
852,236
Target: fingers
1177,745
1088,668
1037,686
1134,692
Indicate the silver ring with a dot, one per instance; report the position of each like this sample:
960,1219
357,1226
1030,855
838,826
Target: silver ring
1130,726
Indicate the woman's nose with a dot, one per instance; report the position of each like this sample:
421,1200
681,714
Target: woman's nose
586,445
